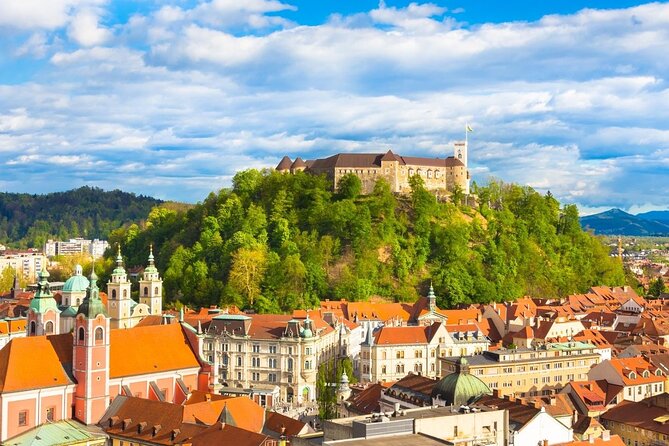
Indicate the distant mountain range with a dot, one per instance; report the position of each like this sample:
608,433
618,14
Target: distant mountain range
619,222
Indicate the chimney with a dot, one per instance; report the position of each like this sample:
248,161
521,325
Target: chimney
606,435
553,400
545,442
591,438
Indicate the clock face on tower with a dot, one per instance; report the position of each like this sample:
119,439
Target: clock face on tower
113,304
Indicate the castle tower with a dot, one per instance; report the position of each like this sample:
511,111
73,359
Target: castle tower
461,151
119,303
43,314
90,360
151,287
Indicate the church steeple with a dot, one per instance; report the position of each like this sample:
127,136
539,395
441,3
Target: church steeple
43,314
431,299
151,286
119,303
90,358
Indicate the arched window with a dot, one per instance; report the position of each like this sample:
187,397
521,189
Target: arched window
146,290
99,334
410,172
125,293
239,361
48,327
155,291
429,174
290,364
78,302
32,327
82,333
113,294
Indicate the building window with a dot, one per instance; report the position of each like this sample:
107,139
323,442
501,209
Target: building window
50,412
307,365
289,364
272,349
418,353
146,290
271,363
399,368
271,377
383,370
125,293
23,418
255,376
255,361
399,354
48,327
82,333
113,294
256,348
99,334
155,291
239,361
32,327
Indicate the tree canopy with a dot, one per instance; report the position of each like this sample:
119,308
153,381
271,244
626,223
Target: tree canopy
277,242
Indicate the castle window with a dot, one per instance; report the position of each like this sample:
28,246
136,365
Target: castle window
437,173
113,294
48,327
146,290
410,172
82,333
429,174
419,172
99,334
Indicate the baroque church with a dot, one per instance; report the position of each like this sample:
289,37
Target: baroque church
80,355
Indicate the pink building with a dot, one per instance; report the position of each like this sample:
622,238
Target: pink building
50,377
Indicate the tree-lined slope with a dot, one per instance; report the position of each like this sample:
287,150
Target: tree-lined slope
278,242
28,220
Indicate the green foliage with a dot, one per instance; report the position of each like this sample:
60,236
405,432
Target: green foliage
29,220
277,242
349,186
656,287
327,383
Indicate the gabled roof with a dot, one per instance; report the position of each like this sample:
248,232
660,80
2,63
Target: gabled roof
643,414
276,423
595,394
406,335
631,371
367,400
18,371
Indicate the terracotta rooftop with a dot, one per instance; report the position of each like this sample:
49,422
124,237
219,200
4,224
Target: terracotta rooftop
405,335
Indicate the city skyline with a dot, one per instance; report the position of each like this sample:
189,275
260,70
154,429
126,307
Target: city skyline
171,98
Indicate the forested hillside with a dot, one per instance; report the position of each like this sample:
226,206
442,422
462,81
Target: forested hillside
278,242
29,220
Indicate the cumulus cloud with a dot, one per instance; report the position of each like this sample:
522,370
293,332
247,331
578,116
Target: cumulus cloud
85,29
183,95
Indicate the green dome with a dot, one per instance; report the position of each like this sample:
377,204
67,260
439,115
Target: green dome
460,388
76,283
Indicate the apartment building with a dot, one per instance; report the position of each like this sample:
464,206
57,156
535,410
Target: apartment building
96,248
390,353
638,378
266,352
26,264
529,371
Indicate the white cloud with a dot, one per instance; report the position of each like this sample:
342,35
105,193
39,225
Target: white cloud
182,96
39,14
86,30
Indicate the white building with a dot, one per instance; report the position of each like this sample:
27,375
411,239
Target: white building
27,264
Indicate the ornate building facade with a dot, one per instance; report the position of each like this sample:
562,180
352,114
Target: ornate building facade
438,174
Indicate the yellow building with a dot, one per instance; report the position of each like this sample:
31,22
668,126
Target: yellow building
438,174
643,423
530,371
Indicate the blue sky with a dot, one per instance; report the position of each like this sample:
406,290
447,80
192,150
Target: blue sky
170,98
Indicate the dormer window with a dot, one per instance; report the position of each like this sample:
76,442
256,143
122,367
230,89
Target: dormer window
632,375
645,374
658,372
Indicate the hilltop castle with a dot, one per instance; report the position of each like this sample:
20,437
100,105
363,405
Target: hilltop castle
439,174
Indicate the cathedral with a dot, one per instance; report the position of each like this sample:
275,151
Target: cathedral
80,355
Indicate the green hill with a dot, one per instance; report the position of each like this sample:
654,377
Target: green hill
618,222
29,220
278,242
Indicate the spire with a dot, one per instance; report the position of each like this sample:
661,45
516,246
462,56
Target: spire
119,258
92,305
151,268
431,299
43,287
151,254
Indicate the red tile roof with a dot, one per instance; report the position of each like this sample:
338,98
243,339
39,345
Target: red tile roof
405,335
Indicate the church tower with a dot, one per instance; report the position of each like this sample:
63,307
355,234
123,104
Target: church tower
43,314
151,287
90,360
119,302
